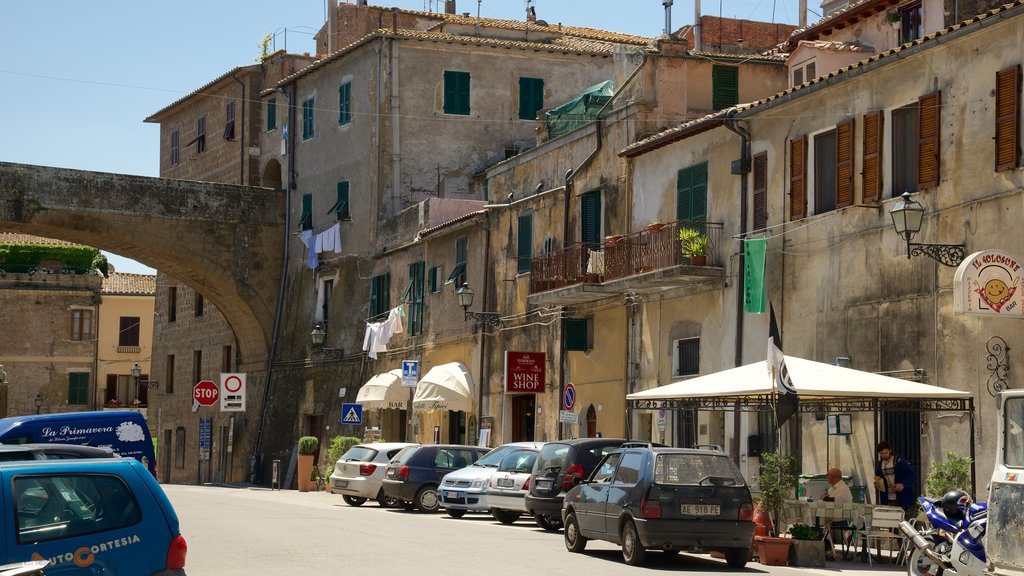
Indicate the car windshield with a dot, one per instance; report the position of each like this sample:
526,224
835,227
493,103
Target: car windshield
520,461
493,458
360,454
696,469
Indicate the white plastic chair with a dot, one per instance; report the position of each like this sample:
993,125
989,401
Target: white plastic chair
884,527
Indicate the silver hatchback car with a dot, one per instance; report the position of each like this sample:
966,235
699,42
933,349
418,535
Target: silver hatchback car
358,473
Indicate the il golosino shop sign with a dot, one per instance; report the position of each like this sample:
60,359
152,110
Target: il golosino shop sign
524,372
988,283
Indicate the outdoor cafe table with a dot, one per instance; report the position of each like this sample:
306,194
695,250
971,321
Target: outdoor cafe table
818,512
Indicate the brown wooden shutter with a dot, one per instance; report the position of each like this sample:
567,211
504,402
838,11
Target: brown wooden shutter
844,164
929,108
872,174
761,191
1008,83
798,178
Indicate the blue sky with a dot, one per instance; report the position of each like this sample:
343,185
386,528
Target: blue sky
79,77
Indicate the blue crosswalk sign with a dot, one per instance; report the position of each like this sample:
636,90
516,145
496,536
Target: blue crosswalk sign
351,413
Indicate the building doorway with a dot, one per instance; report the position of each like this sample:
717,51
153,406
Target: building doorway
524,418
591,422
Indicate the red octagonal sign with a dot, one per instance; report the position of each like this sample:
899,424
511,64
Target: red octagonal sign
206,393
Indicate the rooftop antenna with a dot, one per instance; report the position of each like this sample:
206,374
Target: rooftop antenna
668,16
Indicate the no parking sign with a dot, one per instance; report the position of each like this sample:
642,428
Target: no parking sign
232,392
569,396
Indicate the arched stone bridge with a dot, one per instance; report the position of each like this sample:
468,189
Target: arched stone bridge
225,241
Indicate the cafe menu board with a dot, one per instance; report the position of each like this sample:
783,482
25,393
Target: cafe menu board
840,424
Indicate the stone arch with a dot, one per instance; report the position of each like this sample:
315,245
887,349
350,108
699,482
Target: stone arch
271,177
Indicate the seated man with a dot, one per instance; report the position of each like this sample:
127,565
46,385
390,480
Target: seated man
840,493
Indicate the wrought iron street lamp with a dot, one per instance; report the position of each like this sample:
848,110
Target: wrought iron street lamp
39,403
137,375
465,295
317,337
907,217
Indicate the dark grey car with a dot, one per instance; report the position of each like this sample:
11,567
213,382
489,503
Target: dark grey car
560,465
669,499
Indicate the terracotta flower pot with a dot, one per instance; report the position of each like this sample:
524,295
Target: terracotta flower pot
773,551
305,471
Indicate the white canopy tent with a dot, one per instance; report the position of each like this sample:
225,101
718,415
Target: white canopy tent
445,387
384,391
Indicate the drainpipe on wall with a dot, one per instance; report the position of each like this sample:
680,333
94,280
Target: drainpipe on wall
744,169
241,133
483,340
290,149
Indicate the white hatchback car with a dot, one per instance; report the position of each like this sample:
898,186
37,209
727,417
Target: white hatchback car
509,484
358,473
465,490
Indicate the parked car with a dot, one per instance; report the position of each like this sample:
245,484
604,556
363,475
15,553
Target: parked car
414,474
465,490
359,471
16,452
669,499
89,515
558,466
508,485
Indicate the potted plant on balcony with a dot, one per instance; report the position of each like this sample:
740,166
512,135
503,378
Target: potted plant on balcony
695,246
308,446
777,482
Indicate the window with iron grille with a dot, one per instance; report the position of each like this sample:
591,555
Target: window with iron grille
78,388
686,360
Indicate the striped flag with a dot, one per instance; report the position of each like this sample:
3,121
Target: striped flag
786,402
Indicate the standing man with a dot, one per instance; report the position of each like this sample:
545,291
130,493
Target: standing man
895,481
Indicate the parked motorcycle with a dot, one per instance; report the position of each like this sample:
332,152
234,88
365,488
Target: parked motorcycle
30,568
953,543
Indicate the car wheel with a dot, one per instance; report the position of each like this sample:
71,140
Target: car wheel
426,500
548,523
353,500
737,557
408,506
386,501
455,513
574,541
505,516
632,549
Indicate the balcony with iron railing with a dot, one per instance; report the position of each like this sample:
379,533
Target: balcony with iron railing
648,260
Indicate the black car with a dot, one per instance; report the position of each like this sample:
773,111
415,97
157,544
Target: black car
561,464
670,499
415,473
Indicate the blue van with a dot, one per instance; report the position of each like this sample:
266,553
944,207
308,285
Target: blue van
123,431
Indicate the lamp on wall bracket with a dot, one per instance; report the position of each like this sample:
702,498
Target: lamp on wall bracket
465,295
907,217
321,352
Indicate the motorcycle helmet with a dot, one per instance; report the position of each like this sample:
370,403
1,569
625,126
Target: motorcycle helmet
954,505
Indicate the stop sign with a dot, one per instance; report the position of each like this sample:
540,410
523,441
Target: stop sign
206,393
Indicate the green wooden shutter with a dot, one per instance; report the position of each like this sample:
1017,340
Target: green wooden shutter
456,92
725,87
341,206
590,212
416,270
432,279
692,193
577,332
345,103
307,119
525,247
306,220
271,114
531,97
78,388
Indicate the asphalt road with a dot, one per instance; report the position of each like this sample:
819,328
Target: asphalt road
247,531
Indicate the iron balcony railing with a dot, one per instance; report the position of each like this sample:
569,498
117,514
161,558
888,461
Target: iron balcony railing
654,248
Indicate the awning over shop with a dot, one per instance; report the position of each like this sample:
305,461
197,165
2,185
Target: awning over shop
445,387
384,391
816,383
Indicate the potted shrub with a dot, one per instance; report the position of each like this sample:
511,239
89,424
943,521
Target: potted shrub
695,246
308,446
777,483
808,546
953,474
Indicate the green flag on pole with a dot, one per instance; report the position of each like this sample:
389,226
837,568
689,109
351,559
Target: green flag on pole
754,297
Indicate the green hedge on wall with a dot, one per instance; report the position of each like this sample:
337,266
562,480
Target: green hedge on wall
72,259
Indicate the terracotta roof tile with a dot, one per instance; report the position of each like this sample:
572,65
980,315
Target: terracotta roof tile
126,284
581,32
13,238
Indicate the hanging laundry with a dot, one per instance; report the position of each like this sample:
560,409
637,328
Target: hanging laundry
395,318
330,240
312,261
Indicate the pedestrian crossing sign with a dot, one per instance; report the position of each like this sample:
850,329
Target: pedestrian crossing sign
351,413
